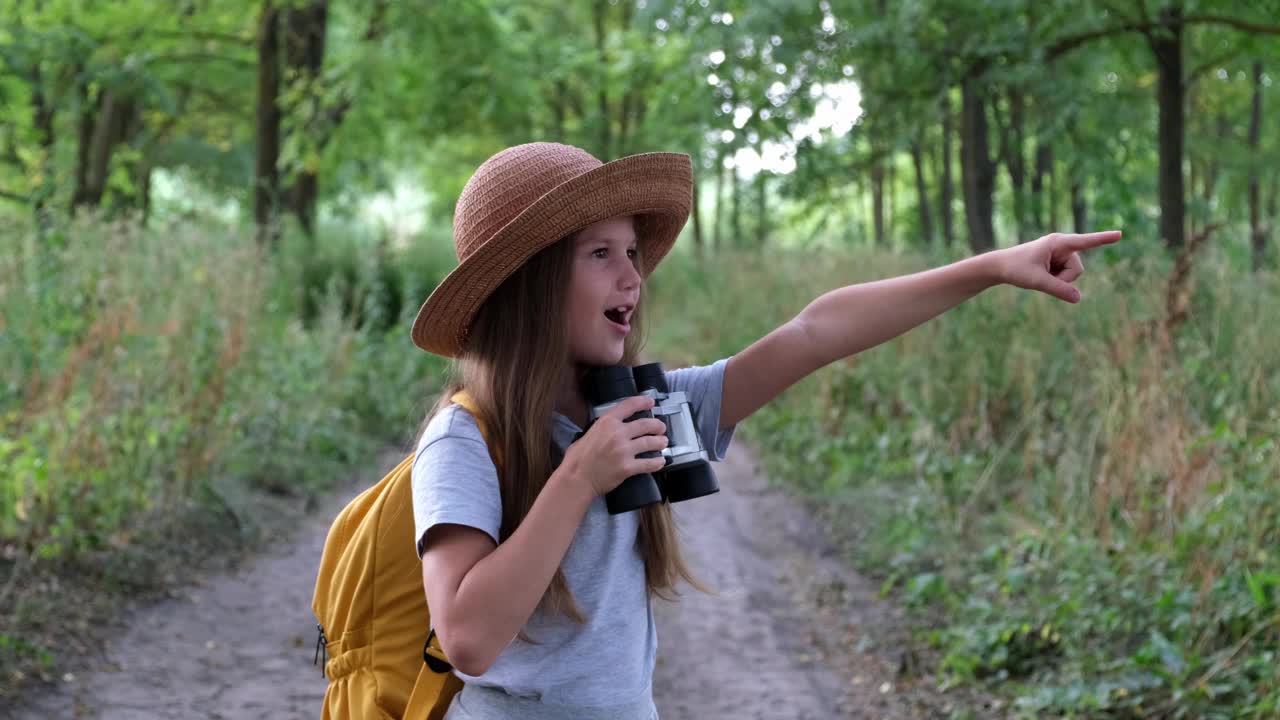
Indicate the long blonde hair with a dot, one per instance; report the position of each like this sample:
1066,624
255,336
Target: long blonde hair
516,352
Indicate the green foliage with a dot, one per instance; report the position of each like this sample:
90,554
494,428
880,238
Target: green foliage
1084,518
429,91
1093,510
149,367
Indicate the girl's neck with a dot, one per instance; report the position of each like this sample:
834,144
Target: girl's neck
570,401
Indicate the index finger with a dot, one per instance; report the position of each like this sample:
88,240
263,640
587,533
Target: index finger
629,406
1076,243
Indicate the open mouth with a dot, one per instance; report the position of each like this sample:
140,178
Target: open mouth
620,315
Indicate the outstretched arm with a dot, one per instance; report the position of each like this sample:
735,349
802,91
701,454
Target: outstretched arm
854,318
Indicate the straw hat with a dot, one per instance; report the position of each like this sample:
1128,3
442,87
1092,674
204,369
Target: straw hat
529,196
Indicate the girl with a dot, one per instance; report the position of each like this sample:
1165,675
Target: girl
541,599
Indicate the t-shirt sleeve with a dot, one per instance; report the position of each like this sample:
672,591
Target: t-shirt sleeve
455,481
704,384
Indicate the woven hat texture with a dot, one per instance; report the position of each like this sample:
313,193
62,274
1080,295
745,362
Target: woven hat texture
527,197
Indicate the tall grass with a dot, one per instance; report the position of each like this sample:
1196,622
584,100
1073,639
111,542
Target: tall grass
1087,493
150,376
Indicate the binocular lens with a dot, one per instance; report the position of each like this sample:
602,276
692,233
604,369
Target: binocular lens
650,377
604,385
688,483
634,493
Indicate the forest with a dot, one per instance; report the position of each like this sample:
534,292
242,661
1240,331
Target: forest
218,218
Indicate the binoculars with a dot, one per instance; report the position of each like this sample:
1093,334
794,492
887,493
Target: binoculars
687,473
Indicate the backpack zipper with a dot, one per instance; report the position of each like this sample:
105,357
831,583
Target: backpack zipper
321,644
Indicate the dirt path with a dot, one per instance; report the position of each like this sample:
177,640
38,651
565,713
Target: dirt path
234,646
792,634
788,637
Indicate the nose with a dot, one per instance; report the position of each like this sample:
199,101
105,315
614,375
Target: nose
630,277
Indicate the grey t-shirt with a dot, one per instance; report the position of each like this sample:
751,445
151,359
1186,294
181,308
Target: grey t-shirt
609,660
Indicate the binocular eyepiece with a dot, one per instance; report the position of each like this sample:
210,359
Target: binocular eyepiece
687,474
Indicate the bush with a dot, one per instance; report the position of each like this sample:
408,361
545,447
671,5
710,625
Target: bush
1086,495
151,377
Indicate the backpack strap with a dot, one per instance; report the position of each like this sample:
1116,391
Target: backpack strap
433,655
432,693
468,403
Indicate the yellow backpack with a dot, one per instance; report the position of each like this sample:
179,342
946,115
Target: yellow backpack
373,619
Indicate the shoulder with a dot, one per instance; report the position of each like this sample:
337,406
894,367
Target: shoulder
454,479
451,422
453,430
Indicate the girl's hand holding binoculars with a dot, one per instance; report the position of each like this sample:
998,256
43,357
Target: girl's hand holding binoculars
606,454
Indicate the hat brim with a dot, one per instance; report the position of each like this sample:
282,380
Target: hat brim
656,186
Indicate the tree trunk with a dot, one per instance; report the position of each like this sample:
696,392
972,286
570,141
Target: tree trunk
891,196
624,121
1044,167
922,194
1273,209
762,212
636,110
42,116
635,91
115,114
640,106
42,120
868,217
946,197
1166,45
144,190
694,210
598,12
762,216
1213,168
735,187
266,185
1053,197
977,169
303,196
558,108
1079,205
877,201
1011,141
1017,163
304,32
100,147
138,165
1192,179
84,139
1257,236
718,216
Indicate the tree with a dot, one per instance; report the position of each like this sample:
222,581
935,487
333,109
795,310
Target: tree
1165,33
266,186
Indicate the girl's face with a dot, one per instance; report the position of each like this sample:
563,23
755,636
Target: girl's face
603,291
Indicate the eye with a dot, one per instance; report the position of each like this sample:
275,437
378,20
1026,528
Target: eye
603,253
